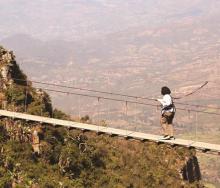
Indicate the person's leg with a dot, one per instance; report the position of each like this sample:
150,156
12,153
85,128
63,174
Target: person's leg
170,130
170,117
163,122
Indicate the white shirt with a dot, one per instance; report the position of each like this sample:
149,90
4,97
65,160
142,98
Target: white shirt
166,101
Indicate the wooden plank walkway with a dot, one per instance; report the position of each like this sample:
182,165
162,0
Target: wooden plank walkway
112,131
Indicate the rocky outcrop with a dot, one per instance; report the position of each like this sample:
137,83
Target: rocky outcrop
191,170
7,61
14,87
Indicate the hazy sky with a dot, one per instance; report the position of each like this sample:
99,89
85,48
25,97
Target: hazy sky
75,19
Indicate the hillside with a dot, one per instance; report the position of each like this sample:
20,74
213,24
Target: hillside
35,155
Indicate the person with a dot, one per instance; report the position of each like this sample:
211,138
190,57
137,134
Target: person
167,113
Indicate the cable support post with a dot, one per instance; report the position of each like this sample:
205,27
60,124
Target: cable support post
126,116
136,115
108,114
98,114
79,107
196,125
25,103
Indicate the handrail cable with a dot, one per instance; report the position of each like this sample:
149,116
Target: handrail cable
197,89
120,100
118,94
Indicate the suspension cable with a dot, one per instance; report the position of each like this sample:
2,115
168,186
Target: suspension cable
197,89
121,100
84,89
124,95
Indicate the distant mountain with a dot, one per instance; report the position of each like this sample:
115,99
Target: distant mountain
172,47
74,19
29,47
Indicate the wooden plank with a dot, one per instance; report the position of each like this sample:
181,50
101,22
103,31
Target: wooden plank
112,131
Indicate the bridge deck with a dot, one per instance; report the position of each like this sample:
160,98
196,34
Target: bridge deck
119,132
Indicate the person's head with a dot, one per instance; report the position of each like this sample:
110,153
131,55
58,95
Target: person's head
165,90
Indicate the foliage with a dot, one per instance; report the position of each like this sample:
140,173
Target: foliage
85,119
60,115
15,94
103,162
18,75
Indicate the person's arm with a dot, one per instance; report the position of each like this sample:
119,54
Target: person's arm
166,101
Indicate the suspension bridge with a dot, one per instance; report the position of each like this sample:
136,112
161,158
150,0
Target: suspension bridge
205,147
124,99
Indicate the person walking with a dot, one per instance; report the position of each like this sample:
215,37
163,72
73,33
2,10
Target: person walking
167,113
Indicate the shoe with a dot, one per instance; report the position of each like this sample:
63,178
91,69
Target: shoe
166,137
172,138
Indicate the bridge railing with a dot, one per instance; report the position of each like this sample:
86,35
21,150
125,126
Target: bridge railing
133,114
191,123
